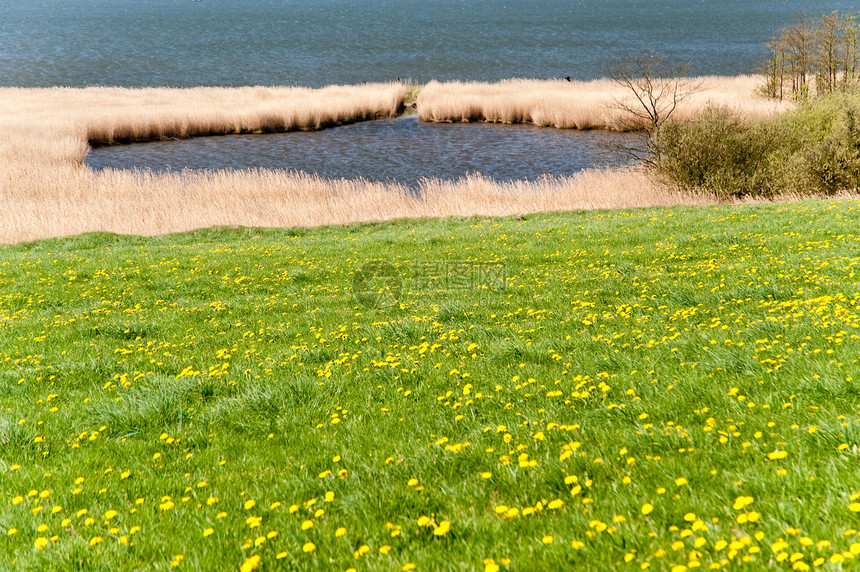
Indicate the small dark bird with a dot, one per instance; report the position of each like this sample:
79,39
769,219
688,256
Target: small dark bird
567,77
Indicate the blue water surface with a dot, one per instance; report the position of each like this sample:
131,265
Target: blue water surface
323,42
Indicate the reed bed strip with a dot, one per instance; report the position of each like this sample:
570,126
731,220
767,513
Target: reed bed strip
578,105
68,201
146,203
107,115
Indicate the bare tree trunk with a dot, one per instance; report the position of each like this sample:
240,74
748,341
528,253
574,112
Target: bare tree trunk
827,42
800,42
850,51
773,70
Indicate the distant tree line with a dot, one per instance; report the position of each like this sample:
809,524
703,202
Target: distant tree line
814,57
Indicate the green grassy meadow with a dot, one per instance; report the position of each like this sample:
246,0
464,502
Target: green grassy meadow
666,388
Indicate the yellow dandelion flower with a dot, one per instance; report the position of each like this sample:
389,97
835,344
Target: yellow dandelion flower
251,563
741,502
309,547
647,508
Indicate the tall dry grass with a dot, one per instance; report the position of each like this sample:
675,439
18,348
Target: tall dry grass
46,190
144,203
577,105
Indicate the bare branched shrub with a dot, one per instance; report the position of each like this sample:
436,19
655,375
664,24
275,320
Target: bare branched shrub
655,87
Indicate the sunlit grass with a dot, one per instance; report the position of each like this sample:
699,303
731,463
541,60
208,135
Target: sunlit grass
669,388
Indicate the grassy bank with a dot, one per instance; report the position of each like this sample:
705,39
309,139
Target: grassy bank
662,387
46,189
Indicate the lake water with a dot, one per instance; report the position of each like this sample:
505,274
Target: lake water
403,150
322,42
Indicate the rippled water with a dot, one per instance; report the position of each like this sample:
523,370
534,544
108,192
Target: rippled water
322,42
403,150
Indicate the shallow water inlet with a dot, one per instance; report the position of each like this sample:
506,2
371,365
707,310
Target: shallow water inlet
403,150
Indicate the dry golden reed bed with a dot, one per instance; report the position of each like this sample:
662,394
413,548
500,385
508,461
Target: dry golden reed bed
46,190
577,105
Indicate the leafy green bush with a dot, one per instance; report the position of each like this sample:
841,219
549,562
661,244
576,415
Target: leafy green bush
814,149
819,147
715,152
